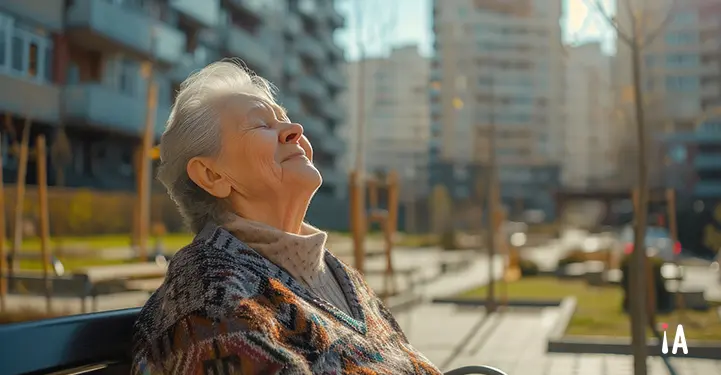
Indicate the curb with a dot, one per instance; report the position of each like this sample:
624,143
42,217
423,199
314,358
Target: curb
611,345
511,303
558,343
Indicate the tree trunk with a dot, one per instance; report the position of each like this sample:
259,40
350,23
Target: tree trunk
638,280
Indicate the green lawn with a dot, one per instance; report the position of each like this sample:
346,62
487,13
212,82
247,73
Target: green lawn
598,311
170,241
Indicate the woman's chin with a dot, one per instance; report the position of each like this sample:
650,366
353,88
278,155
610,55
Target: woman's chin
306,176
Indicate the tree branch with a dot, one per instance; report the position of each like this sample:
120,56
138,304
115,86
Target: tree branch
654,34
621,35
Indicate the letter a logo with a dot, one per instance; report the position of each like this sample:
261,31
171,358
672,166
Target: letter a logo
679,341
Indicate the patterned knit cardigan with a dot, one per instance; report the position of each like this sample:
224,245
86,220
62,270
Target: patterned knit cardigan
224,309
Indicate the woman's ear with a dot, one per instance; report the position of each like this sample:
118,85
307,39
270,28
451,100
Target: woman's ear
201,172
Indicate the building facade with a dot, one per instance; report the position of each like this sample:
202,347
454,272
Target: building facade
680,68
587,156
397,125
79,66
497,74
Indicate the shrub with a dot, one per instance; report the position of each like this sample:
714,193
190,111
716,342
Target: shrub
579,256
664,300
528,267
449,240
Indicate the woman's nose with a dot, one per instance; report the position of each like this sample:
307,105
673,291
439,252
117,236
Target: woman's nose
291,133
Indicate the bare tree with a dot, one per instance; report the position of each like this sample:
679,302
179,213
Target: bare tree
637,38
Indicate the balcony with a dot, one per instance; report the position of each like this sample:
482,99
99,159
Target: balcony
291,104
104,26
708,189
311,48
335,19
242,44
333,111
308,9
313,127
331,175
707,162
293,25
336,52
312,87
334,78
292,66
203,12
186,66
711,70
255,8
710,90
48,13
99,105
18,93
332,144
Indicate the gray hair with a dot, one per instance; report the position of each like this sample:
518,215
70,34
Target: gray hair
193,129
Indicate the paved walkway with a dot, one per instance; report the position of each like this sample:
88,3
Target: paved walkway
515,342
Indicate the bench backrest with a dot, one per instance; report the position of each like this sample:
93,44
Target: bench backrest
122,271
100,341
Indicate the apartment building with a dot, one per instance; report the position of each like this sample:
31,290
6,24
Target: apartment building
397,125
79,65
588,158
681,79
498,73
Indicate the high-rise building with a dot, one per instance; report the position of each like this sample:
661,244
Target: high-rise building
498,70
588,158
396,125
680,70
78,65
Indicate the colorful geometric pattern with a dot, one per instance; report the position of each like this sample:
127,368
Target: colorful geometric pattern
224,309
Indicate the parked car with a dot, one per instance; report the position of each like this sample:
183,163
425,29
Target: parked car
658,243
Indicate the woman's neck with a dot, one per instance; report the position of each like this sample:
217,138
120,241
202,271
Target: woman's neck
281,214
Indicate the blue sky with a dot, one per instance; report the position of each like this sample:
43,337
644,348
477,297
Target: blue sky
413,24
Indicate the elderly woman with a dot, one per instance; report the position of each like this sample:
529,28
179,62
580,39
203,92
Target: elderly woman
256,292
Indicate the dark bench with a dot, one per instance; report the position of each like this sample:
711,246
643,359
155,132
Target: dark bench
96,343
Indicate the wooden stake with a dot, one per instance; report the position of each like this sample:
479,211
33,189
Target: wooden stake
357,220
3,259
145,167
391,226
44,218
20,196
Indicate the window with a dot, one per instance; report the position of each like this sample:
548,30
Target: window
682,37
23,51
682,60
682,83
685,18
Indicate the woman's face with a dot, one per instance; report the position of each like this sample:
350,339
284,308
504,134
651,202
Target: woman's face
262,152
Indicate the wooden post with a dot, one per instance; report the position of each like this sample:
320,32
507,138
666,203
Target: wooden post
42,170
20,197
391,226
3,259
145,167
357,220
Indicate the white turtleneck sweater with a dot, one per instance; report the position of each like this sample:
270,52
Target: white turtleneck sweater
302,255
